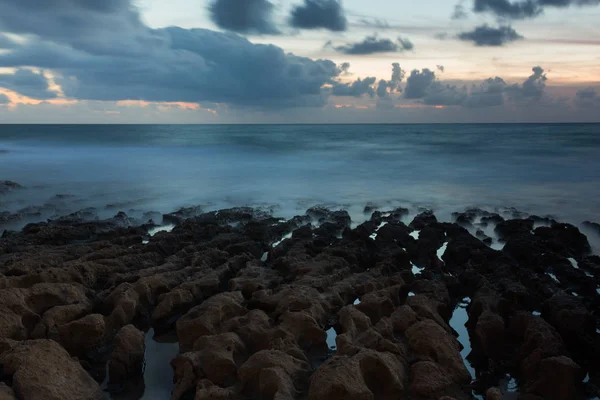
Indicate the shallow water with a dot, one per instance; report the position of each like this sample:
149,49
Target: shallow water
158,374
541,169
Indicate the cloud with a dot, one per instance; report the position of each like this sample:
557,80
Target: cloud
355,89
130,61
459,12
524,9
440,68
319,14
532,88
418,83
27,83
6,42
4,99
243,16
372,45
439,94
587,98
489,94
384,88
486,35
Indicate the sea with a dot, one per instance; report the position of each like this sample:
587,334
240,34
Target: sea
542,169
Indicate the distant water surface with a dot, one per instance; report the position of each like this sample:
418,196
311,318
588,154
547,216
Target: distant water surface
541,169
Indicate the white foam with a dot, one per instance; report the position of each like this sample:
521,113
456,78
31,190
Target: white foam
574,263
416,270
162,228
441,251
286,236
415,234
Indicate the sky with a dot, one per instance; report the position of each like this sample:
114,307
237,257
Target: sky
299,61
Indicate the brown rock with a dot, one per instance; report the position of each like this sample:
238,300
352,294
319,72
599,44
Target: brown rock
220,356
429,379
83,334
493,394
272,374
558,379
206,390
127,358
403,318
339,378
6,392
489,334
43,370
208,317
432,343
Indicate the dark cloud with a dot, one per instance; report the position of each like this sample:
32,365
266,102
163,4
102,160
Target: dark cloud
459,12
355,89
486,35
532,88
489,94
372,45
440,68
523,9
4,99
439,94
344,68
243,16
587,98
319,14
418,83
384,88
27,83
169,64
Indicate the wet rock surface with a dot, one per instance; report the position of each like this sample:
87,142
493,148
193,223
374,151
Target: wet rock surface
251,299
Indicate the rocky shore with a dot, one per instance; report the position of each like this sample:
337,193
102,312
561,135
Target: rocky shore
307,308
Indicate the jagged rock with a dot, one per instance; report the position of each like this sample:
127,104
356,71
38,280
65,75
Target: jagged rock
127,357
493,394
43,370
6,392
422,220
558,378
272,374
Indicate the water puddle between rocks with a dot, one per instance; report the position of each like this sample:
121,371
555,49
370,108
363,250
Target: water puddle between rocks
537,313
411,294
554,278
158,374
416,270
574,263
356,302
331,335
265,256
441,251
457,322
374,234
415,234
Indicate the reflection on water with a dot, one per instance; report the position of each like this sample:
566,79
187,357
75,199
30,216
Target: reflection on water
331,335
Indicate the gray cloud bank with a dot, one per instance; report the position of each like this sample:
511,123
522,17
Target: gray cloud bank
373,45
486,35
523,9
319,14
244,16
104,52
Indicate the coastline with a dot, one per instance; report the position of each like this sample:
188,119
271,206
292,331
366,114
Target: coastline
250,299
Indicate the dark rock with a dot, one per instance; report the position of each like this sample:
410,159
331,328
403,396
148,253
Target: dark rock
127,357
422,220
43,370
7,186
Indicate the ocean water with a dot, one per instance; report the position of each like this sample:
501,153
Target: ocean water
542,169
